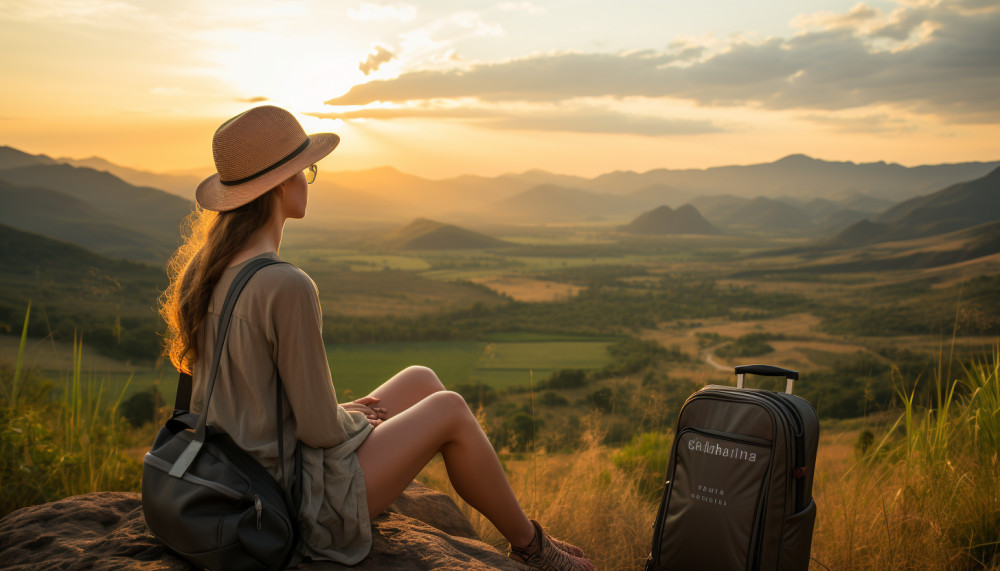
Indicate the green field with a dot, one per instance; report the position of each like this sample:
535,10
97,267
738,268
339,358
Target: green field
511,360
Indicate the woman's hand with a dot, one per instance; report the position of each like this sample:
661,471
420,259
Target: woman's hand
372,403
366,405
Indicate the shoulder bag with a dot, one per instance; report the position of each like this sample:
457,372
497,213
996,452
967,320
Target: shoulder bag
204,497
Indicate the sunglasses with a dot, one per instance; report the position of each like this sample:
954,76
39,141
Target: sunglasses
311,173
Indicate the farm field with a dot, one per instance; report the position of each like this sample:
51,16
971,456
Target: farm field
513,359
358,369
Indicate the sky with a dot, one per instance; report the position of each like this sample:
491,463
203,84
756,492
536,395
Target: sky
441,88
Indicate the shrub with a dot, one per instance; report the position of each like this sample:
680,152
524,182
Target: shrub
550,398
520,431
476,394
566,379
141,408
749,345
603,399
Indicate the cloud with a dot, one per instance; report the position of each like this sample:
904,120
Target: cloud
256,99
372,12
543,78
608,122
875,123
376,59
584,120
858,15
953,71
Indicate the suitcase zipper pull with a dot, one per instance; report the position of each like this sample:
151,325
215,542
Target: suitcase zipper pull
259,507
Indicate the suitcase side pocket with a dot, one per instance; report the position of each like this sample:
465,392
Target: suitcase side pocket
796,539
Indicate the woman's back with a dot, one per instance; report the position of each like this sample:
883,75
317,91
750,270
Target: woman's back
277,321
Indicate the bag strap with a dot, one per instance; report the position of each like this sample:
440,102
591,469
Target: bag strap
184,385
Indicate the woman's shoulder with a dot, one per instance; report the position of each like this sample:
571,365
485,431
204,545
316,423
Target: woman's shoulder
283,277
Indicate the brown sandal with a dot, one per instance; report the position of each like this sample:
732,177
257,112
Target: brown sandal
543,553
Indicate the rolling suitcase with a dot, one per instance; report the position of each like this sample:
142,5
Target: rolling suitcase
738,493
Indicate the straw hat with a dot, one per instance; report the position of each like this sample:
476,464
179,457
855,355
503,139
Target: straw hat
254,152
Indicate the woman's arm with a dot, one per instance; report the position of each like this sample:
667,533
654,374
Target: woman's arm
300,354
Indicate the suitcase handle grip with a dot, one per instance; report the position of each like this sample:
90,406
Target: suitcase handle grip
766,371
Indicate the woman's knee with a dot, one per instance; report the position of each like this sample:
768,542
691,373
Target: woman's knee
451,405
423,378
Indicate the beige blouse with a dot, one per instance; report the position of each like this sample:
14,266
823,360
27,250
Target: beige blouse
277,327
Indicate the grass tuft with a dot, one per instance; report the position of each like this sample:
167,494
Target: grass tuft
51,448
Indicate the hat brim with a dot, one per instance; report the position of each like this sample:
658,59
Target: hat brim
213,195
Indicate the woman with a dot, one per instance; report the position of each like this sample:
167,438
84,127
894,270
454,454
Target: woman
357,457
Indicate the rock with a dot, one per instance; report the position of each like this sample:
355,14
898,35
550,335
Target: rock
103,530
424,529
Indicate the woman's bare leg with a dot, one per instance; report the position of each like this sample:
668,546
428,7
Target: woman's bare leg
405,389
401,446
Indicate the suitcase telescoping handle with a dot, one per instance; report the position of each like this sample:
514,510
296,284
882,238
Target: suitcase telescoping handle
766,371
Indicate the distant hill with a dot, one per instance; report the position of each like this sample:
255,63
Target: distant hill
959,206
118,219
181,185
917,253
423,234
800,176
865,203
12,158
816,208
665,220
106,192
760,213
27,253
70,219
763,213
839,220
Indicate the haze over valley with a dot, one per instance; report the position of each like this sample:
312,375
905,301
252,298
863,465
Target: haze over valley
382,244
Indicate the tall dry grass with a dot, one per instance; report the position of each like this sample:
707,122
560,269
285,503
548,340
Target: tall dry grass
927,496
581,498
51,448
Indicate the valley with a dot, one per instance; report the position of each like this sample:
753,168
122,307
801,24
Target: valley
727,269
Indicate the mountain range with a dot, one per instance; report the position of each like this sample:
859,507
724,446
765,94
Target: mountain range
795,196
957,207
90,208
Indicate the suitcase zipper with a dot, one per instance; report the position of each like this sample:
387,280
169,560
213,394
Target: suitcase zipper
799,437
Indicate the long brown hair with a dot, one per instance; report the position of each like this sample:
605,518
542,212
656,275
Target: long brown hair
210,241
